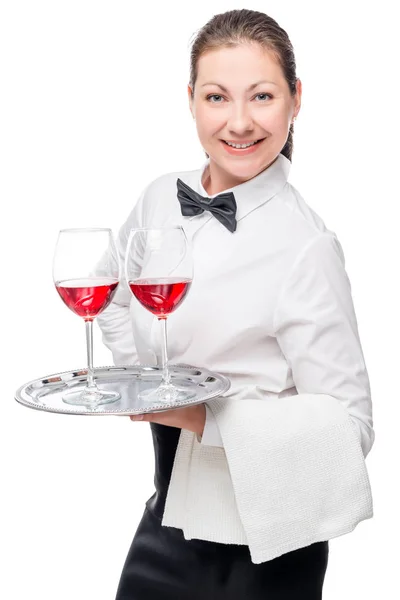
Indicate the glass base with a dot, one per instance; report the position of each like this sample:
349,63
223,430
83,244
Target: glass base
90,398
166,393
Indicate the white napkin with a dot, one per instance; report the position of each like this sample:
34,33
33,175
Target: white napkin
291,473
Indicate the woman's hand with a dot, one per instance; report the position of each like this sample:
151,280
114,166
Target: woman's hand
192,418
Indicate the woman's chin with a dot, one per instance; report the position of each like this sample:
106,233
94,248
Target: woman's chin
242,169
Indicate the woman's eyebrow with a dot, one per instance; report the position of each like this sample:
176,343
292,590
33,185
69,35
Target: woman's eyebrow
254,85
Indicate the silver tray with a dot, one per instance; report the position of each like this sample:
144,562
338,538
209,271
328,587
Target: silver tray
46,393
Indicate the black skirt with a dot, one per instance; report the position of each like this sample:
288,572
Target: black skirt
162,565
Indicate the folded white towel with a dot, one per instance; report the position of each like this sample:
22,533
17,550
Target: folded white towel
291,473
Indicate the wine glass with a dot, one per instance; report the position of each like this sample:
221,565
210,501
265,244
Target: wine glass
159,273
86,273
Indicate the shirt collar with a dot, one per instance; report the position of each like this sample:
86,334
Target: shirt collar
256,191
248,195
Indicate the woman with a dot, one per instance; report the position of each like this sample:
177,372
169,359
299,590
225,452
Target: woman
278,313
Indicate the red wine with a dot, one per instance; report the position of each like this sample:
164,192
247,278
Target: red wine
87,297
160,296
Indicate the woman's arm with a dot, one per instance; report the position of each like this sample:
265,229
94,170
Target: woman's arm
115,322
316,328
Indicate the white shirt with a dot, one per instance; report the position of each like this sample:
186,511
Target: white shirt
270,305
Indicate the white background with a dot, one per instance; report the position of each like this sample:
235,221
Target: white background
93,107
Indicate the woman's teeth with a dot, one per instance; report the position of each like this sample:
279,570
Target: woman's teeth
241,145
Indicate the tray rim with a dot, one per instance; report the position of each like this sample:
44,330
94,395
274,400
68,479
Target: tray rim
122,412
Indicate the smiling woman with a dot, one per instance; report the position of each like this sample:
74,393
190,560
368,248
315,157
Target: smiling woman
270,307
255,113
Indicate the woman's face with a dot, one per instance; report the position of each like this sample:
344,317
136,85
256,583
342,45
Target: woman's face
241,96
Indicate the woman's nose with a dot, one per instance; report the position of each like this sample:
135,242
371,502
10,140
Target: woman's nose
240,119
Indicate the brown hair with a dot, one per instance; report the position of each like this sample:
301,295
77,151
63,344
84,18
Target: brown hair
234,27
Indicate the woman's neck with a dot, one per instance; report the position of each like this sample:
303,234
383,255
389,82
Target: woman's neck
215,181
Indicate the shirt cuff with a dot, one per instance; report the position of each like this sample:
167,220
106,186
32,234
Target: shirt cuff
211,435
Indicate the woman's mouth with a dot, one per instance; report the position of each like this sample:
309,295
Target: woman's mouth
242,149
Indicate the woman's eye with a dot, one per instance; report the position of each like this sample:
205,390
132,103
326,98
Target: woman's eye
214,96
266,96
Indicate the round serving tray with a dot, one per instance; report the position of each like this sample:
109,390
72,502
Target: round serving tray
46,393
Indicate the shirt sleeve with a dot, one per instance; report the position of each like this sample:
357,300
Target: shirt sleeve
115,322
316,328
211,435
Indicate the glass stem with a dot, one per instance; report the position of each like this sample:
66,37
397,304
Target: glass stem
166,378
89,348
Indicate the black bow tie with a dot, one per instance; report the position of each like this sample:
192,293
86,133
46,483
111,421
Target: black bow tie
223,206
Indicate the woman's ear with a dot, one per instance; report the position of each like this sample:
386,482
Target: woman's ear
190,96
299,91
